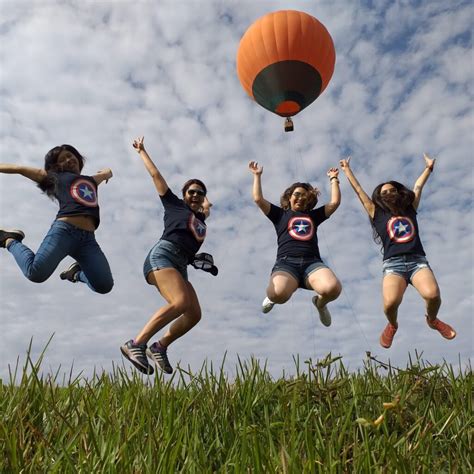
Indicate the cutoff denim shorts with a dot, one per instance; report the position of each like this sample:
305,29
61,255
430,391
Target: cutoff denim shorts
405,266
298,267
166,254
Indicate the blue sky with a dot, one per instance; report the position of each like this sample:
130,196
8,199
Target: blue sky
98,74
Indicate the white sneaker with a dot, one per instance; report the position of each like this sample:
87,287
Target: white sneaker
267,305
324,314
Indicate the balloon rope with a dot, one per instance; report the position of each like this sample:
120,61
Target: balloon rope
297,153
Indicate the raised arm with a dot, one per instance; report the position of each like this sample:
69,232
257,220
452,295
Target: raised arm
103,175
420,182
158,180
206,207
369,206
257,194
333,204
35,174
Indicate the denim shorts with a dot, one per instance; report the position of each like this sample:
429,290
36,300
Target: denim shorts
166,254
298,267
405,265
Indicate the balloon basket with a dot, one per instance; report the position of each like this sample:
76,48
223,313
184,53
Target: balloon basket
289,125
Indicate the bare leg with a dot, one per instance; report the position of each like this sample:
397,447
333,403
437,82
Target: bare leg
425,283
326,284
393,289
175,291
186,321
281,286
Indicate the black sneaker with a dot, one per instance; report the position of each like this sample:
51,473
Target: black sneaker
10,234
136,354
71,273
160,357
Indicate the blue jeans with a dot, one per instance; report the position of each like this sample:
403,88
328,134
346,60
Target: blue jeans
64,239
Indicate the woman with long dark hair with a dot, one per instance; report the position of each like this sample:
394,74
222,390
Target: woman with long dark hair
298,263
392,211
72,232
165,268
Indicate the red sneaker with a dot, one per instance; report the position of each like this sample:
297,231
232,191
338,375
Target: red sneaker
386,338
444,329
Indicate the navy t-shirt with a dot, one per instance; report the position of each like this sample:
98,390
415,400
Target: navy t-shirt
77,195
183,227
296,231
399,234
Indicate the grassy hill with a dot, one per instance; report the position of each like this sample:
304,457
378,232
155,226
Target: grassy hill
324,419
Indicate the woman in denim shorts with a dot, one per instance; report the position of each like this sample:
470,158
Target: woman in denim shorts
165,267
298,263
392,213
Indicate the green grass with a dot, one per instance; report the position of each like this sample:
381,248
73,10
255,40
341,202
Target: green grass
324,419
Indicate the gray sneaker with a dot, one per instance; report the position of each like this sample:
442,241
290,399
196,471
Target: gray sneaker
160,357
70,273
324,314
136,354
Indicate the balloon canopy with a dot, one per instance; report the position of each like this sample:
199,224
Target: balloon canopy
285,61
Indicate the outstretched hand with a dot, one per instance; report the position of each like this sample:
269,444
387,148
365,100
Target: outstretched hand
333,173
255,169
107,172
138,144
430,162
344,164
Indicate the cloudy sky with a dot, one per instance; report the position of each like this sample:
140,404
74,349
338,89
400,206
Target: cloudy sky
96,74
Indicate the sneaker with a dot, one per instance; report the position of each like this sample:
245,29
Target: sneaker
14,234
444,329
267,305
160,357
71,273
324,314
386,338
136,354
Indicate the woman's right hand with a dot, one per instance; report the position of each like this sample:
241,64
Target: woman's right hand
255,169
344,164
138,144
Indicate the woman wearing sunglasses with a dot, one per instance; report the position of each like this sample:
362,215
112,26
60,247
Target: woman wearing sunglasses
298,263
166,268
392,212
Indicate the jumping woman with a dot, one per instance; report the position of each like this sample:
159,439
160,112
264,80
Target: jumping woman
72,232
165,267
298,263
392,212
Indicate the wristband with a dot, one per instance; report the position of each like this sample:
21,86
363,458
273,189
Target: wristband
334,177
430,168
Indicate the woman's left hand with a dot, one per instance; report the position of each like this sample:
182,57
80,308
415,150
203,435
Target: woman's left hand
333,173
107,172
429,161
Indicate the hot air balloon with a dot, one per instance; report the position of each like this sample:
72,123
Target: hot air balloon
285,61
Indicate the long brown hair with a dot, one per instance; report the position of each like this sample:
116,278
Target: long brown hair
49,182
312,200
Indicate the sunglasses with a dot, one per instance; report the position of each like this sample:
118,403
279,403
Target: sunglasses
192,192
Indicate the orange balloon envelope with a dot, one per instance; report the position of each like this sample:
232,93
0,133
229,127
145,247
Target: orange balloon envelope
285,61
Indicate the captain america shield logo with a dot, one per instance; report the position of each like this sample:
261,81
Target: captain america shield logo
400,229
83,192
301,228
197,228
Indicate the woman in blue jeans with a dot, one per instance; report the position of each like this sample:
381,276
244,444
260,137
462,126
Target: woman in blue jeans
72,232
166,268
392,212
